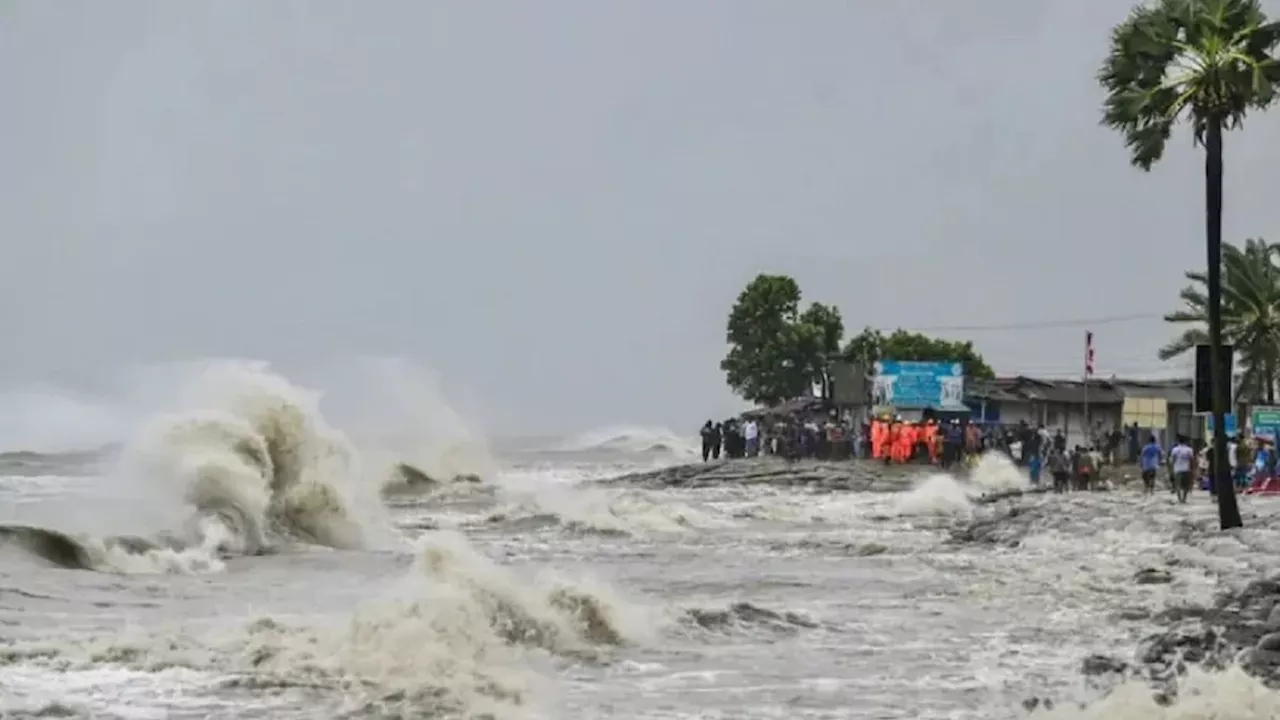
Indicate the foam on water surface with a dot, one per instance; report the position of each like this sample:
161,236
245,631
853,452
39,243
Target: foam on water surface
538,593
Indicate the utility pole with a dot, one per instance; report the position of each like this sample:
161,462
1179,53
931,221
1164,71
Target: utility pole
1219,361
1088,372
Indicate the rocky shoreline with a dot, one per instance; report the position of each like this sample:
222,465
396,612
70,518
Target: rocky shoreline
851,475
821,476
1242,629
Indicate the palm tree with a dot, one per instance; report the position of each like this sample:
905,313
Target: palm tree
1207,62
1250,315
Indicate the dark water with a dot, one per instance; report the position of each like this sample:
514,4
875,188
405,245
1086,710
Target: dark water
550,597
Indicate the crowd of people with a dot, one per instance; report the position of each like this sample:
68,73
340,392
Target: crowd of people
948,442
890,439
791,438
1035,448
1251,465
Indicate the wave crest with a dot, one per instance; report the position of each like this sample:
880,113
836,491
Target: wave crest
252,467
631,440
456,637
945,495
262,459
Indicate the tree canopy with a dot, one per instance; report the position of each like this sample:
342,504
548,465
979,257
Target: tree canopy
1205,62
872,345
776,352
1250,314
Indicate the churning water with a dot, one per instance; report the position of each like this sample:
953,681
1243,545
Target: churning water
244,558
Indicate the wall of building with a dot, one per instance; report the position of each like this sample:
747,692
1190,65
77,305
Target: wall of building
1182,422
1012,413
1054,416
1106,417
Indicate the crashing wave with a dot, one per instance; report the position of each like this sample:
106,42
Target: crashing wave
994,478
255,468
452,639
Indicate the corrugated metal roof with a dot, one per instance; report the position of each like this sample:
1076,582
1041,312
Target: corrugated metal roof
1174,392
989,390
1112,391
1099,392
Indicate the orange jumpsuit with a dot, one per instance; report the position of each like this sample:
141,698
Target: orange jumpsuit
903,443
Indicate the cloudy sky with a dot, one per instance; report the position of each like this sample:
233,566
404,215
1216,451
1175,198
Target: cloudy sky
554,204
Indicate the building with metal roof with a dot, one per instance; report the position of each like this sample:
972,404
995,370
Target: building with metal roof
1161,406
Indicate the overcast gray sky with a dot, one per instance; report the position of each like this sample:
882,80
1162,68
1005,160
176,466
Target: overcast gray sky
554,204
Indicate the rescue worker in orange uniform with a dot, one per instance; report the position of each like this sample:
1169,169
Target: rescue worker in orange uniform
931,440
906,442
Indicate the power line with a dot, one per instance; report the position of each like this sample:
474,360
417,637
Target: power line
1140,359
1102,373
1078,322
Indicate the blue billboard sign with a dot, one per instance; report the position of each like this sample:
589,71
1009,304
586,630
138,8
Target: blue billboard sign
1228,421
911,384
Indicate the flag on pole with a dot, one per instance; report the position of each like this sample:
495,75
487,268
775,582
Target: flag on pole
1088,353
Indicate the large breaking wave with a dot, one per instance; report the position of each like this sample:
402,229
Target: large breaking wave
252,468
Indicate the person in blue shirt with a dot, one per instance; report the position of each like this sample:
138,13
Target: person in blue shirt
1149,462
1263,463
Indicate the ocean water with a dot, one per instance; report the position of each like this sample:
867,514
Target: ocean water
284,568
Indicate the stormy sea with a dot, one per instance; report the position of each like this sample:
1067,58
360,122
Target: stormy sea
244,555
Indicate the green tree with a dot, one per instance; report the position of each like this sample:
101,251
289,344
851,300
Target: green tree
820,330
871,345
1207,62
775,351
1250,315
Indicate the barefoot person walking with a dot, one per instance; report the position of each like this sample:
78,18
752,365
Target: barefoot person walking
1182,456
1149,461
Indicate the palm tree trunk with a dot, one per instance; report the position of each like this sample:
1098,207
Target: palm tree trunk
1271,381
1228,510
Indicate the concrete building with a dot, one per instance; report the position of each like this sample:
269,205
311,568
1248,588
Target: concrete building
1161,406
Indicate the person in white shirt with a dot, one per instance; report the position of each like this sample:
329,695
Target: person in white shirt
1237,454
751,433
1181,457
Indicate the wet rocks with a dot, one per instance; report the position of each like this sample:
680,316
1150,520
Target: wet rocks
1242,626
995,497
408,478
991,531
1273,617
1002,527
1103,665
746,614
856,475
1153,576
1269,643
832,547
1004,518
845,475
1032,704
1133,614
